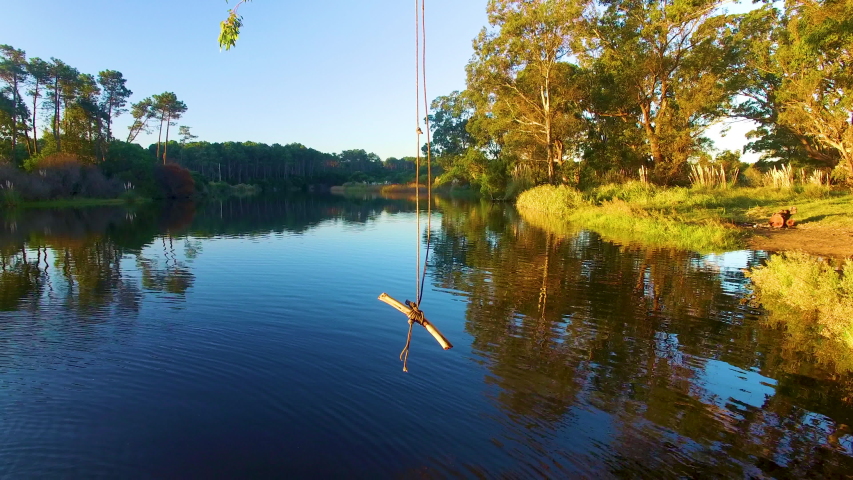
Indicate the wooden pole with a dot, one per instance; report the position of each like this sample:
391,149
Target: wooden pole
445,344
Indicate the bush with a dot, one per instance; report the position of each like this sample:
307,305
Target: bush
550,199
57,177
803,291
174,181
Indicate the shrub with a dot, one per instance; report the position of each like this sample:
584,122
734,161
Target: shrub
174,181
59,176
804,291
550,199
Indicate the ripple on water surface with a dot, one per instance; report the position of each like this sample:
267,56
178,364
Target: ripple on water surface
248,341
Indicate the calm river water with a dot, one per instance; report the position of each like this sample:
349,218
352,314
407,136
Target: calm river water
244,339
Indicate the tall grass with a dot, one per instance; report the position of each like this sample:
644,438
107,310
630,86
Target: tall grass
699,219
711,176
8,195
782,177
817,177
560,201
808,297
619,213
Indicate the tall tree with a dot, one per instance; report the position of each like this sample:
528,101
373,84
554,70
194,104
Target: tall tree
519,72
168,108
142,112
62,79
673,62
83,118
39,74
114,95
449,122
185,134
13,70
813,60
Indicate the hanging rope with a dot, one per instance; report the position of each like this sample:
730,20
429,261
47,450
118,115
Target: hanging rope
416,315
429,155
418,133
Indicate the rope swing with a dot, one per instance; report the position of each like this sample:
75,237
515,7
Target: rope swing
411,309
228,34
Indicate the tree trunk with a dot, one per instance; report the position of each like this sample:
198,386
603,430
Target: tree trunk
14,118
35,131
27,138
166,145
56,107
654,141
159,136
109,120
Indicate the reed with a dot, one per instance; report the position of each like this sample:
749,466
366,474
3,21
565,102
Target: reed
782,177
711,176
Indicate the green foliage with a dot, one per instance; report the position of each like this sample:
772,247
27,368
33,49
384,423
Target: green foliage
800,88
805,292
133,166
620,221
229,29
693,219
525,95
559,201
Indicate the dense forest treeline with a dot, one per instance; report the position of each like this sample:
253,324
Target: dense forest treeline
57,141
559,91
578,91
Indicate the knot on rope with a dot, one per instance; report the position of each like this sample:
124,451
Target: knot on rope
415,316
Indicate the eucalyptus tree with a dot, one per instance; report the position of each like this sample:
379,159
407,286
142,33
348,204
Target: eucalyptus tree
167,108
13,71
813,59
114,95
519,75
39,71
449,123
674,64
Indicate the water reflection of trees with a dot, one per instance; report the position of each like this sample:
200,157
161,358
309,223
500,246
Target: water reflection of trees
76,255
297,214
566,323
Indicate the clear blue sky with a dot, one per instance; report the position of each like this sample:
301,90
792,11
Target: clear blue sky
330,74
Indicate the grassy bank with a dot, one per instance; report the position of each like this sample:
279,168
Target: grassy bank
812,300
703,220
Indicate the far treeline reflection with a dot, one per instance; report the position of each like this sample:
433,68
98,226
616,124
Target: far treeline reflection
88,244
558,320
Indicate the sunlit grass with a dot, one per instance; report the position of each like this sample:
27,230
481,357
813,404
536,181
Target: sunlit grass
812,300
700,219
623,216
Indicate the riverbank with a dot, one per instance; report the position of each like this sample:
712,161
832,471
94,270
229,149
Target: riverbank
76,203
396,189
812,299
703,220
